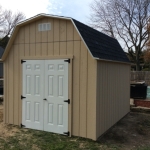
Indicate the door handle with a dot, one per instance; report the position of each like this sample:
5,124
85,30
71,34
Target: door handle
44,99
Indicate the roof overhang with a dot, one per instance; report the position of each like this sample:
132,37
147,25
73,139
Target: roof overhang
121,62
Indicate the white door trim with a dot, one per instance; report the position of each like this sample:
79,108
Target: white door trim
62,106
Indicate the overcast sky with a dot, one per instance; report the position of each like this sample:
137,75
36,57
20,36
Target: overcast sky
77,9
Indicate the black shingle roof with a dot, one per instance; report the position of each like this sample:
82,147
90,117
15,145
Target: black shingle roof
101,46
1,51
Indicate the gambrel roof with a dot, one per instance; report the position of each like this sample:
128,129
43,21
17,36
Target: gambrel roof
100,46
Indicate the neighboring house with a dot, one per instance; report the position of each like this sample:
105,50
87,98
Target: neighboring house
1,63
62,76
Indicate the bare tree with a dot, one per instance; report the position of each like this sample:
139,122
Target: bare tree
146,52
123,19
8,20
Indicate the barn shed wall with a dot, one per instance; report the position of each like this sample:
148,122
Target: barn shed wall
113,94
62,41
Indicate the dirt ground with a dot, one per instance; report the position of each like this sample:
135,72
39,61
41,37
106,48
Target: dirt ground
132,132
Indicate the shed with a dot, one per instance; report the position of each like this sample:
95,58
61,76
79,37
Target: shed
63,76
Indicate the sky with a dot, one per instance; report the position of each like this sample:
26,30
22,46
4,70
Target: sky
77,9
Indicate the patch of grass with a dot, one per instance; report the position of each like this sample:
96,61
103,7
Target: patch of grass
40,140
130,133
144,148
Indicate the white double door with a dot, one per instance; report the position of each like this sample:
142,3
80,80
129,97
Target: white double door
45,88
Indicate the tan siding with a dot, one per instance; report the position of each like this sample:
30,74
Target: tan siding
56,30
70,48
16,82
32,34
70,84
38,49
61,40
32,49
44,34
70,31
83,91
11,88
27,50
56,48
21,35
112,94
76,89
44,49
91,98
21,54
63,30
63,48
50,48
27,34
38,36
76,36
16,41
50,33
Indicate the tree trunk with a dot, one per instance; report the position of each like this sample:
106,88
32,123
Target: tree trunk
137,51
137,65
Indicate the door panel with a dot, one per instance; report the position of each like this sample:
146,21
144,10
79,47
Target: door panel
51,86
28,111
56,110
33,77
50,113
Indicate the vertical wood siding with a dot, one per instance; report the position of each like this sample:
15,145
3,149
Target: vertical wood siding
113,89
62,39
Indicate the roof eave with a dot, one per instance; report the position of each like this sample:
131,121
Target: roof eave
40,16
127,63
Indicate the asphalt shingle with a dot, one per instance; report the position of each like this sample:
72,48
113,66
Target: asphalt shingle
101,46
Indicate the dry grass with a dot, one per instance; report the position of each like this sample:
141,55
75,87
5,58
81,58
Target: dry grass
132,132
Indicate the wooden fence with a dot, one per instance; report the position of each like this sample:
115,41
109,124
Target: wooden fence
140,76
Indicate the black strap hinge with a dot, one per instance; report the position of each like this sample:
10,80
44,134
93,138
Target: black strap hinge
22,126
68,101
22,97
22,61
67,133
68,60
